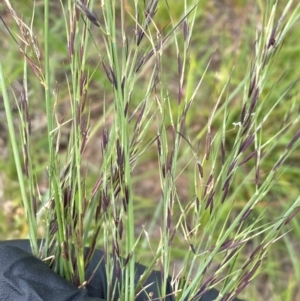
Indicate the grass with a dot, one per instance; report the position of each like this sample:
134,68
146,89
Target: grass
208,122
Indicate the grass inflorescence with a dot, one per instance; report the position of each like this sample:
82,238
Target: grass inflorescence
145,78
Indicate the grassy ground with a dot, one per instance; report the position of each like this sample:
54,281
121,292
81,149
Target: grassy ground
224,37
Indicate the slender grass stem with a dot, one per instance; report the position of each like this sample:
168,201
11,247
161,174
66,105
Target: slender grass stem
32,226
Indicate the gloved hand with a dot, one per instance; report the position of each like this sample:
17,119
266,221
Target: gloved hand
24,277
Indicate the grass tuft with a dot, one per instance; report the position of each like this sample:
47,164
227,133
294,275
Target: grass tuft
134,78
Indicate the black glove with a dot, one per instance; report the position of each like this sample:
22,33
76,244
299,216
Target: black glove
22,274
24,277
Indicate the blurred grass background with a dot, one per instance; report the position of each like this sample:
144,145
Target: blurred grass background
225,33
